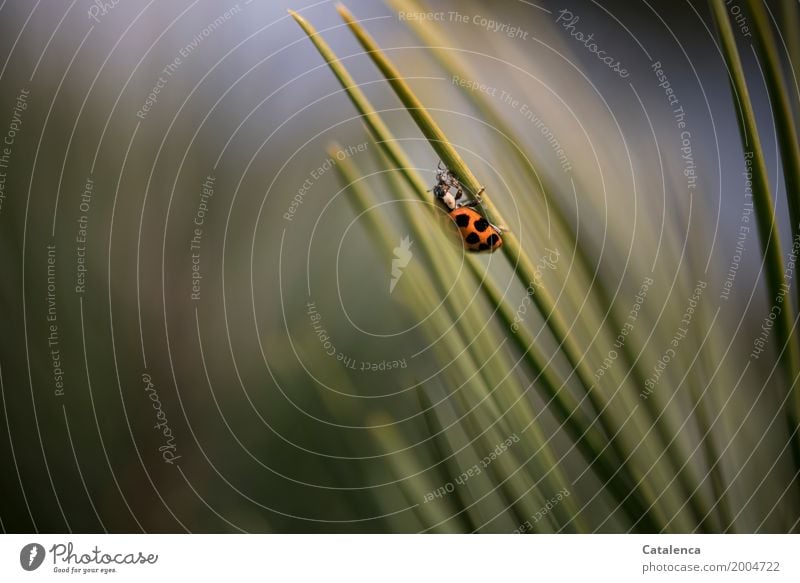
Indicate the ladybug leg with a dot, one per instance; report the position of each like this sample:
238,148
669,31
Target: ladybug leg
477,199
499,228
459,194
474,202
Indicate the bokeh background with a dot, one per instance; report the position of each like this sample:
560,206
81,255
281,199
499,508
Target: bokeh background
267,431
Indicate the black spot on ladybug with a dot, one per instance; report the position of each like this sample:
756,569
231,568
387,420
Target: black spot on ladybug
462,220
481,225
472,238
492,240
483,247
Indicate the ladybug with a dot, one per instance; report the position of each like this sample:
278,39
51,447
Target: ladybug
477,233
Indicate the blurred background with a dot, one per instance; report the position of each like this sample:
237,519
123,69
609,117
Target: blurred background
200,335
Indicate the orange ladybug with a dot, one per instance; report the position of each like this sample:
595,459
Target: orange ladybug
477,233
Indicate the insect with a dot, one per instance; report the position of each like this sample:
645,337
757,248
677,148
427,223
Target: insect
477,233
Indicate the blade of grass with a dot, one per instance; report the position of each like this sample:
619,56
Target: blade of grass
504,474
405,464
790,18
375,125
702,402
584,433
765,216
782,113
440,448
